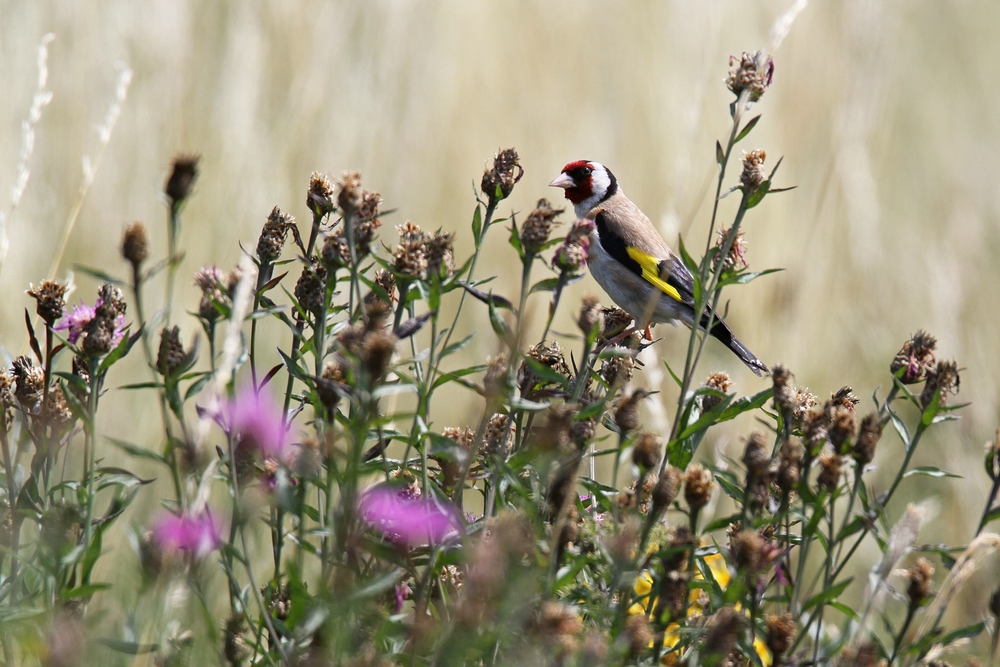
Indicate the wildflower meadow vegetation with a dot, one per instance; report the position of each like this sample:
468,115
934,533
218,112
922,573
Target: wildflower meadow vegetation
316,513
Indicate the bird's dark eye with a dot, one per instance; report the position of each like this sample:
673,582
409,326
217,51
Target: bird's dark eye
581,173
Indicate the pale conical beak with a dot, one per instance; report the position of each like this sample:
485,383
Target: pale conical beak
562,181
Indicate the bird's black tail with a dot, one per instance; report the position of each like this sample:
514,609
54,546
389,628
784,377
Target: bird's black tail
722,331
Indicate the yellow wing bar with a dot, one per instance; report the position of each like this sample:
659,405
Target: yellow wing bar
651,272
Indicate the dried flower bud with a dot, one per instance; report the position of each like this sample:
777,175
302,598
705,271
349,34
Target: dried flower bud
310,290
328,384
55,411
789,461
780,633
751,72
495,380
829,474
350,196
571,256
723,631
29,383
336,251
698,485
627,413
410,257
550,355
582,432
719,382
784,393
536,229
273,235
50,298
942,380
868,437
6,389
590,315
665,490
753,175
814,425
319,198
617,371
915,358
499,181
376,354
756,457
387,282
638,634
842,428
864,654
135,244
182,177
440,255
736,257
646,452
61,527
919,588
170,355
236,648
498,439
747,550
616,321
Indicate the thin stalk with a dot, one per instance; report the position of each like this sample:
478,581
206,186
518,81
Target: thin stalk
89,447
898,641
173,229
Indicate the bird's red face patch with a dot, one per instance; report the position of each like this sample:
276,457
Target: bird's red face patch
583,188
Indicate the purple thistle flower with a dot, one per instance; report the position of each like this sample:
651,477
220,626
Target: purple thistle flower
411,521
257,420
76,322
196,534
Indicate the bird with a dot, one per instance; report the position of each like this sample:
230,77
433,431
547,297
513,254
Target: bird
630,260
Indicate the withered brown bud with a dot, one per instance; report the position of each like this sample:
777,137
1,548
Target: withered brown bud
310,290
627,413
723,630
171,353
273,235
666,489
616,321
182,177
55,411
319,198
135,244
698,485
919,587
536,229
843,425
915,358
751,72
814,425
736,256
868,437
495,379
638,634
747,550
755,456
719,382
789,460
236,649
29,383
830,471
440,255
387,282
590,315
942,380
498,440
499,181
6,389
547,354
327,385
350,197
646,452
571,256
51,301
784,392
864,654
617,370
377,348
780,633
410,257
753,175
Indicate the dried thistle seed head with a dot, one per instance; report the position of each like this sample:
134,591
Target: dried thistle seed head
319,198
582,432
547,354
554,436
814,425
804,402
327,384
536,229
273,235
617,371
29,382
410,257
555,619
943,378
236,648
498,439
868,437
751,72
310,290
665,490
616,321
864,654
784,393
780,633
590,314
51,300
698,486
719,382
350,197
56,412
842,428
377,315
61,527
724,629
747,550
646,452
171,353
638,634
336,252
915,358
736,257
441,255
789,462
182,176
627,413
376,354
830,471
6,389
755,456
499,181
387,282
753,175
135,244
571,256
495,380
919,587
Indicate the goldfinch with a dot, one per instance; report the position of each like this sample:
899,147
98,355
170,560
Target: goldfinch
630,260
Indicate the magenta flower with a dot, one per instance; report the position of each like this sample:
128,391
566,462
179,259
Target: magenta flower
411,521
197,534
81,316
257,420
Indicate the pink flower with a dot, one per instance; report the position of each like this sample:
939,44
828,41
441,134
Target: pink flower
257,420
81,316
411,521
197,534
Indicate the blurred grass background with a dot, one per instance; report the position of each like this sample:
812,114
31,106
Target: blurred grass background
882,111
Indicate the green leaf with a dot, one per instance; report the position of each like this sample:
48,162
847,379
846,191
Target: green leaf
455,347
527,406
746,129
962,633
515,240
477,224
84,591
546,285
378,586
758,195
500,327
720,155
745,277
129,648
992,515
827,595
100,275
732,490
137,451
930,471
120,351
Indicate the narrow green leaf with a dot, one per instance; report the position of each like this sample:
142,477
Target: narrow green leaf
515,240
100,275
499,326
377,587
546,285
137,451
827,595
128,648
720,155
930,471
477,225
746,129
